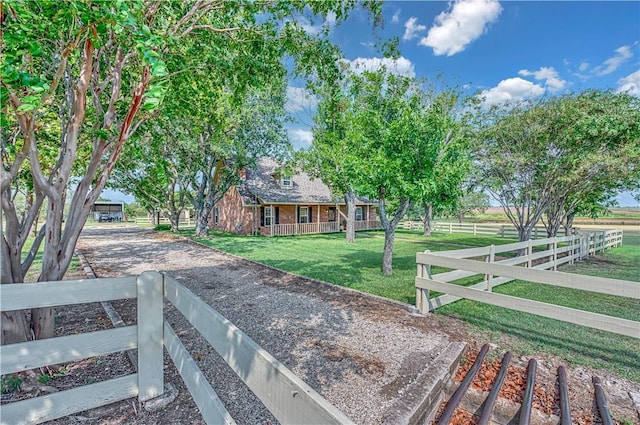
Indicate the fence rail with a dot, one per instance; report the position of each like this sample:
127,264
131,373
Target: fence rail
538,264
489,229
164,220
286,396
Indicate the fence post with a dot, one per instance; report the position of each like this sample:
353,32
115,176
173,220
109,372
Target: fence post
555,253
422,295
491,258
502,231
529,252
474,228
450,228
150,335
535,232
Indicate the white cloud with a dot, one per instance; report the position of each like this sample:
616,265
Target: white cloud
396,17
623,53
583,66
400,66
455,29
411,28
298,99
511,90
630,84
549,75
300,137
315,29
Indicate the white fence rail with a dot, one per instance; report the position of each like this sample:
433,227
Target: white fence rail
489,229
286,396
164,220
533,266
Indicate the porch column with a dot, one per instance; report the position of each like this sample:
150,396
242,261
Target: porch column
318,220
273,218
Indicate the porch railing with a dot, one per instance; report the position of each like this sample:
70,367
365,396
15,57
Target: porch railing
313,228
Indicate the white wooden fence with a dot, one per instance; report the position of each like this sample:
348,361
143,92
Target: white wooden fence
164,220
286,396
548,254
490,229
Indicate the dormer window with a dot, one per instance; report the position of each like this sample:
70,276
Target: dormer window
285,181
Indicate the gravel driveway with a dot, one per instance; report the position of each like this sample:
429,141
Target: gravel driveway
359,352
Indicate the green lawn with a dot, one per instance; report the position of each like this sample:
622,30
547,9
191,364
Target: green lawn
329,258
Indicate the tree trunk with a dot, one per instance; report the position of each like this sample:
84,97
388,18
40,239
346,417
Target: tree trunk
43,322
390,227
524,233
460,214
387,256
202,224
428,216
350,200
174,219
15,327
568,224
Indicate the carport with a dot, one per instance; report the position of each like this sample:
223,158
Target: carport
108,211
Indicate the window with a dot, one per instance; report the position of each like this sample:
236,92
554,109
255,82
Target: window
268,216
304,215
359,213
332,213
286,181
216,215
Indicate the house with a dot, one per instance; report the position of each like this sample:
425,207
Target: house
271,202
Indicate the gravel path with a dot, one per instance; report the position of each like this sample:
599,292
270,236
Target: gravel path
359,352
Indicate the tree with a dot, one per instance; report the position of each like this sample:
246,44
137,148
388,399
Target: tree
556,155
100,68
513,164
596,135
328,157
472,202
404,139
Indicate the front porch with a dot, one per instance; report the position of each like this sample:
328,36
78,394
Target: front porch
318,227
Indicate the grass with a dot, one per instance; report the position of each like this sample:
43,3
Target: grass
329,258
33,273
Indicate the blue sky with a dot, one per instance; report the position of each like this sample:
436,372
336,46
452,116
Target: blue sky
506,50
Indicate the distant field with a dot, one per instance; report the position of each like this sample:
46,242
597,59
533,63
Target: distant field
620,215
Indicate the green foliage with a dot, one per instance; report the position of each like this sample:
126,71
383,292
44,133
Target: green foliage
561,156
10,383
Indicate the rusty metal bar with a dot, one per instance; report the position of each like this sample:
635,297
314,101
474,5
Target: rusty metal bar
601,401
527,402
565,410
453,402
495,390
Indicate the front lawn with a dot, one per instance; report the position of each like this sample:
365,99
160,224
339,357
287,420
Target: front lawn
330,258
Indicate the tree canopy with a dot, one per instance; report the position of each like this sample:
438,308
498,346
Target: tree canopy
558,155
80,77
